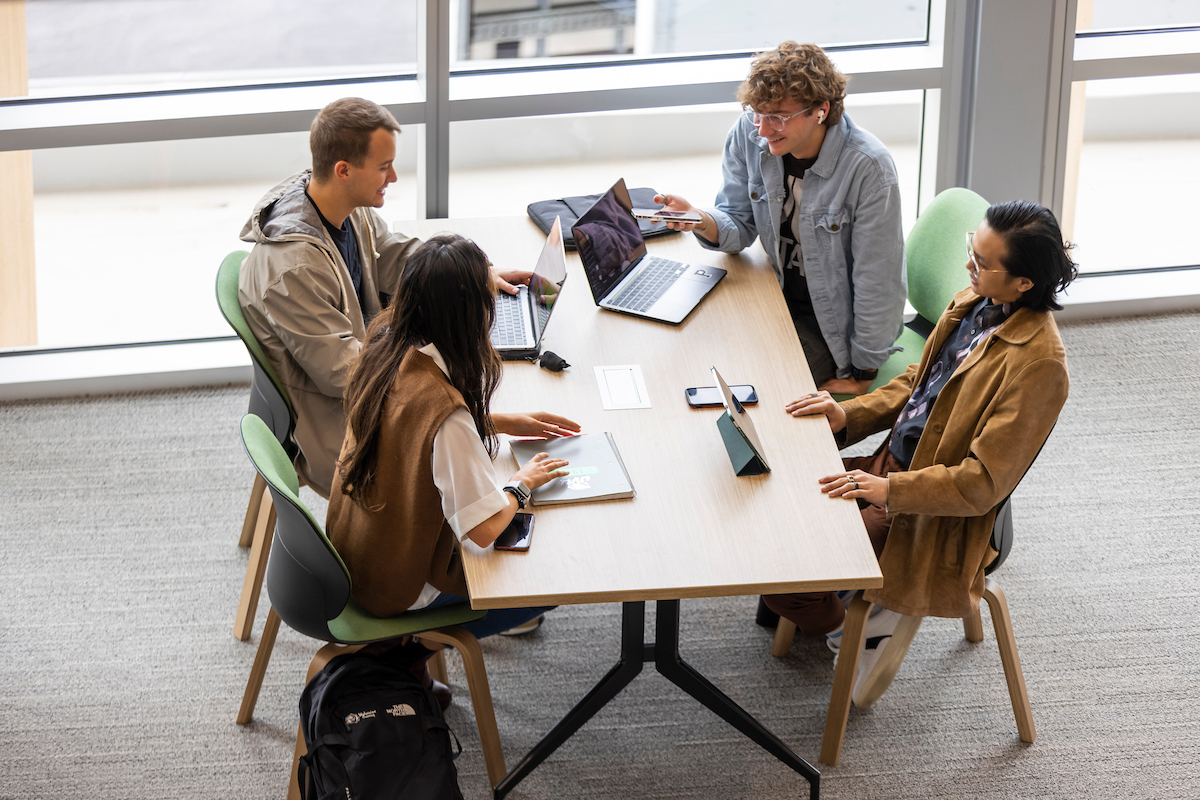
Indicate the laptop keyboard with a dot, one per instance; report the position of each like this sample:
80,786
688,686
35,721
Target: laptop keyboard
509,330
652,282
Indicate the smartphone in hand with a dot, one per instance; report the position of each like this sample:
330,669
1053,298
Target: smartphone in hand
663,215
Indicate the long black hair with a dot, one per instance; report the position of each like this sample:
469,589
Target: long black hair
444,297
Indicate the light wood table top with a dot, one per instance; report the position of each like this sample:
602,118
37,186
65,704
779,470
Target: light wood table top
694,529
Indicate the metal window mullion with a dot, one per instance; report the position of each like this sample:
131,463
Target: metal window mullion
957,100
1058,109
433,139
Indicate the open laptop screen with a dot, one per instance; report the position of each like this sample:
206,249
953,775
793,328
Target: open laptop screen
609,240
547,279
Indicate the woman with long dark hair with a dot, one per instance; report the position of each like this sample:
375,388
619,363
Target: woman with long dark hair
415,475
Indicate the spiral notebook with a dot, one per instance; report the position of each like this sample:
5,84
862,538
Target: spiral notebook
595,469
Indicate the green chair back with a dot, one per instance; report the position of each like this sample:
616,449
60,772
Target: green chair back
936,256
936,253
307,581
268,397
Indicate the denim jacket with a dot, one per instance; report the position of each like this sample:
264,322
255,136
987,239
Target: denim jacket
850,233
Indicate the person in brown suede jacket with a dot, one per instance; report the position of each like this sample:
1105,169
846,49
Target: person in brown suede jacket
966,423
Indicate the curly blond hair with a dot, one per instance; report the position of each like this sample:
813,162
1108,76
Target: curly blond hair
798,72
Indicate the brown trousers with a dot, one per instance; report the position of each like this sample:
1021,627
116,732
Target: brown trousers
818,613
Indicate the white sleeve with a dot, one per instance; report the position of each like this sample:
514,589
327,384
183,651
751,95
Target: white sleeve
464,476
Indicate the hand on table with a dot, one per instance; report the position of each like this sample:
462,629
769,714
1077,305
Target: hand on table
816,403
846,386
857,485
536,423
539,470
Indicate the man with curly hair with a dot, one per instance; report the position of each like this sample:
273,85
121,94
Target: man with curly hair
823,197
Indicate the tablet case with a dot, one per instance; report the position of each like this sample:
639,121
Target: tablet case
571,209
741,453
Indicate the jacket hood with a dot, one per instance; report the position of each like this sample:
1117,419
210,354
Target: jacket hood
285,214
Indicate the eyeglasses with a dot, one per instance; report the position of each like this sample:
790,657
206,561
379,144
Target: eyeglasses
975,268
773,121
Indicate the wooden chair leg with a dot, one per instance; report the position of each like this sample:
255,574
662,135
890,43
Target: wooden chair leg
853,635
266,646
785,632
260,488
481,696
973,626
1018,694
256,569
323,657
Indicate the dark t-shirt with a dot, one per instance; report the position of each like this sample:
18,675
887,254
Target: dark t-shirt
790,256
347,244
974,328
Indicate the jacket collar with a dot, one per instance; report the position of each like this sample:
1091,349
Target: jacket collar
831,148
1019,328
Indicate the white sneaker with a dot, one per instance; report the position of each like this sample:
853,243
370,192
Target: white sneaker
878,666
880,625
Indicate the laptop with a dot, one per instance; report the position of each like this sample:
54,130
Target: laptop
521,318
623,277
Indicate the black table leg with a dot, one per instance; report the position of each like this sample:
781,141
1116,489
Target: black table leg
668,661
665,655
633,655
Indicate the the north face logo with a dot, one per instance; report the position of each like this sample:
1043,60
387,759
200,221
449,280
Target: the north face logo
402,710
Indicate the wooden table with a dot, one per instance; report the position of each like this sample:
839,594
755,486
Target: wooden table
694,529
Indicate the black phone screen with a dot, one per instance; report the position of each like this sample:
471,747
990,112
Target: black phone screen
517,535
710,396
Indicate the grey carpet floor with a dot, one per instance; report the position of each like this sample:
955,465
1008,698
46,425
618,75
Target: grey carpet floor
120,575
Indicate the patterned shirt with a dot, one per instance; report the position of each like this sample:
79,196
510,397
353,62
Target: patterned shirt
974,328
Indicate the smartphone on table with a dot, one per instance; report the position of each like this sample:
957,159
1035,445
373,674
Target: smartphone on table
710,396
663,215
517,535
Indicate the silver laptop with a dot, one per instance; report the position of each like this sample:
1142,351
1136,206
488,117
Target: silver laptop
521,318
623,277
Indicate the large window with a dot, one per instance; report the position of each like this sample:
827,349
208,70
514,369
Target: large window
540,29
1123,15
498,167
1139,173
89,47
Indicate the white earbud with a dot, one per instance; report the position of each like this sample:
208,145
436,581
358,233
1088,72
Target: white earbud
820,117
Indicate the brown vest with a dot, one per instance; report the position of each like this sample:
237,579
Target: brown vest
394,551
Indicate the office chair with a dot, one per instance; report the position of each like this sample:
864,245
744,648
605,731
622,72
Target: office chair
268,400
309,589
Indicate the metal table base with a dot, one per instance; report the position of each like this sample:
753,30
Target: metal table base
664,652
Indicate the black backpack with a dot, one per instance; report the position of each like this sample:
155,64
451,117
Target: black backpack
373,731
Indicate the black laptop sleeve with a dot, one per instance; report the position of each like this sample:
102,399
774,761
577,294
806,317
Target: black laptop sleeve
571,209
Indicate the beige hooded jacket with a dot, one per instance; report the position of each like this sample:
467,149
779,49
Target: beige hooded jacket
299,301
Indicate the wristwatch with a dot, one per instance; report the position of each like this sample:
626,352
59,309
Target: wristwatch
863,374
520,491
